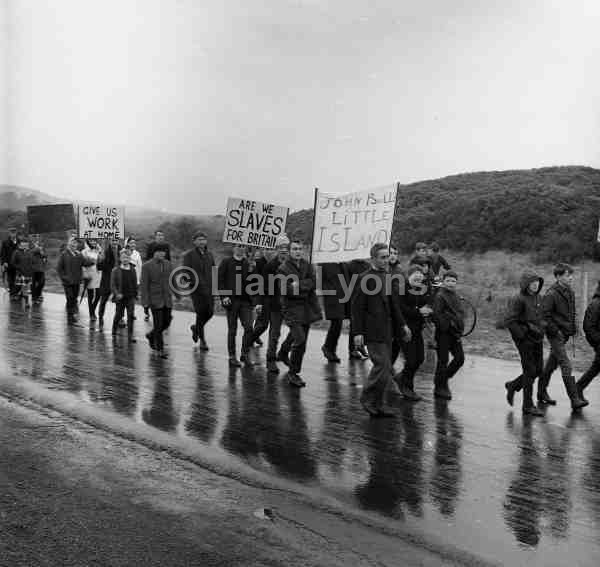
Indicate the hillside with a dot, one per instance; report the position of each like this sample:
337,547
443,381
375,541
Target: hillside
552,212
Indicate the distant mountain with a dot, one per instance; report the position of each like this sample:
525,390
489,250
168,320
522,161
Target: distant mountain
15,198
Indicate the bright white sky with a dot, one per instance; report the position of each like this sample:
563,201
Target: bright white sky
177,104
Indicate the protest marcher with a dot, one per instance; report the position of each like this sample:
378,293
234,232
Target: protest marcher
69,271
106,264
436,261
448,315
91,276
591,328
156,295
376,316
414,301
233,273
159,238
124,286
22,260
526,325
559,316
394,265
200,261
420,257
6,251
333,275
269,302
299,306
40,259
261,322
354,270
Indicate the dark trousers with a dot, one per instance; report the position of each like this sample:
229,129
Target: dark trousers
299,336
71,295
102,305
161,319
37,284
93,297
333,336
379,376
558,357
286,345
11,276
414,355
261,324
275,321
448,344
532,363
242,311
121,306
591,372
203,306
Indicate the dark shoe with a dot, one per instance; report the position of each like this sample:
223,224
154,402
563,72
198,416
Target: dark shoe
122,324
162,354
295,380
272,367
510,393
114,332
533,411
258,343
357,355
369,408
330,355
409,394
284,357
234,362
203,345
93,318
134,318
194,333
442,392
246,359
385,412
146,317
544,398
580,392
131,340
571,387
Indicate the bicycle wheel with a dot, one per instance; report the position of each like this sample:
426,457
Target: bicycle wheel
470,316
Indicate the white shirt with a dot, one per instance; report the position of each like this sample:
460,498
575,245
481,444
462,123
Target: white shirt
136,262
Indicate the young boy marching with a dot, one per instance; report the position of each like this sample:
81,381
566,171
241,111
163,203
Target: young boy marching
124,286
526,325
22,260
448,315
559,316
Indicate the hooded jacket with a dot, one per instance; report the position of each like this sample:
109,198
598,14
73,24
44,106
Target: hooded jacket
559,311
525,319
591,321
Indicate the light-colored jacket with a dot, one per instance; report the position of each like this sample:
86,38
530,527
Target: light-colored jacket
136,261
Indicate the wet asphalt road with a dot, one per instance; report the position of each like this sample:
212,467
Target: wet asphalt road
471,473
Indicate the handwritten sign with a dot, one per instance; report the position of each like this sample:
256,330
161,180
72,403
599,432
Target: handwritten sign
253,223
100,221
346,226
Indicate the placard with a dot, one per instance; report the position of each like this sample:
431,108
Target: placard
44,219
98,221
253,223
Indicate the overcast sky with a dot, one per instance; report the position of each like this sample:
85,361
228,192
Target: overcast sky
177,104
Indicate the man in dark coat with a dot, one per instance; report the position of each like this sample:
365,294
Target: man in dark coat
69,271
299,306
449,317
200,263
336,310
6,251
414,301
591,328
233,274
39,269
375,318
526,325
559,316
156,295
269,304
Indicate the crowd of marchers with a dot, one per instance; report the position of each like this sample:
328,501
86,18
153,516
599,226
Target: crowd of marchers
384,322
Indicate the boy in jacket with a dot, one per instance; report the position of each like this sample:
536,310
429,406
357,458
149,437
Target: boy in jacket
69,271
414,302
22,260
526,325
376,317
233,274
299,306
124,286
448,315
591,328
437,261
6,251
559,316
40,259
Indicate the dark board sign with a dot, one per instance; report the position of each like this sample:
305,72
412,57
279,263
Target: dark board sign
50,218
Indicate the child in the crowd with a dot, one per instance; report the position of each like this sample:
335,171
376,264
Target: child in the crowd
124,286
448,314
22,260
40,259
420,257
436,260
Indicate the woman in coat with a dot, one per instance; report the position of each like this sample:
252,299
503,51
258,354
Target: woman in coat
92,254
106,265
